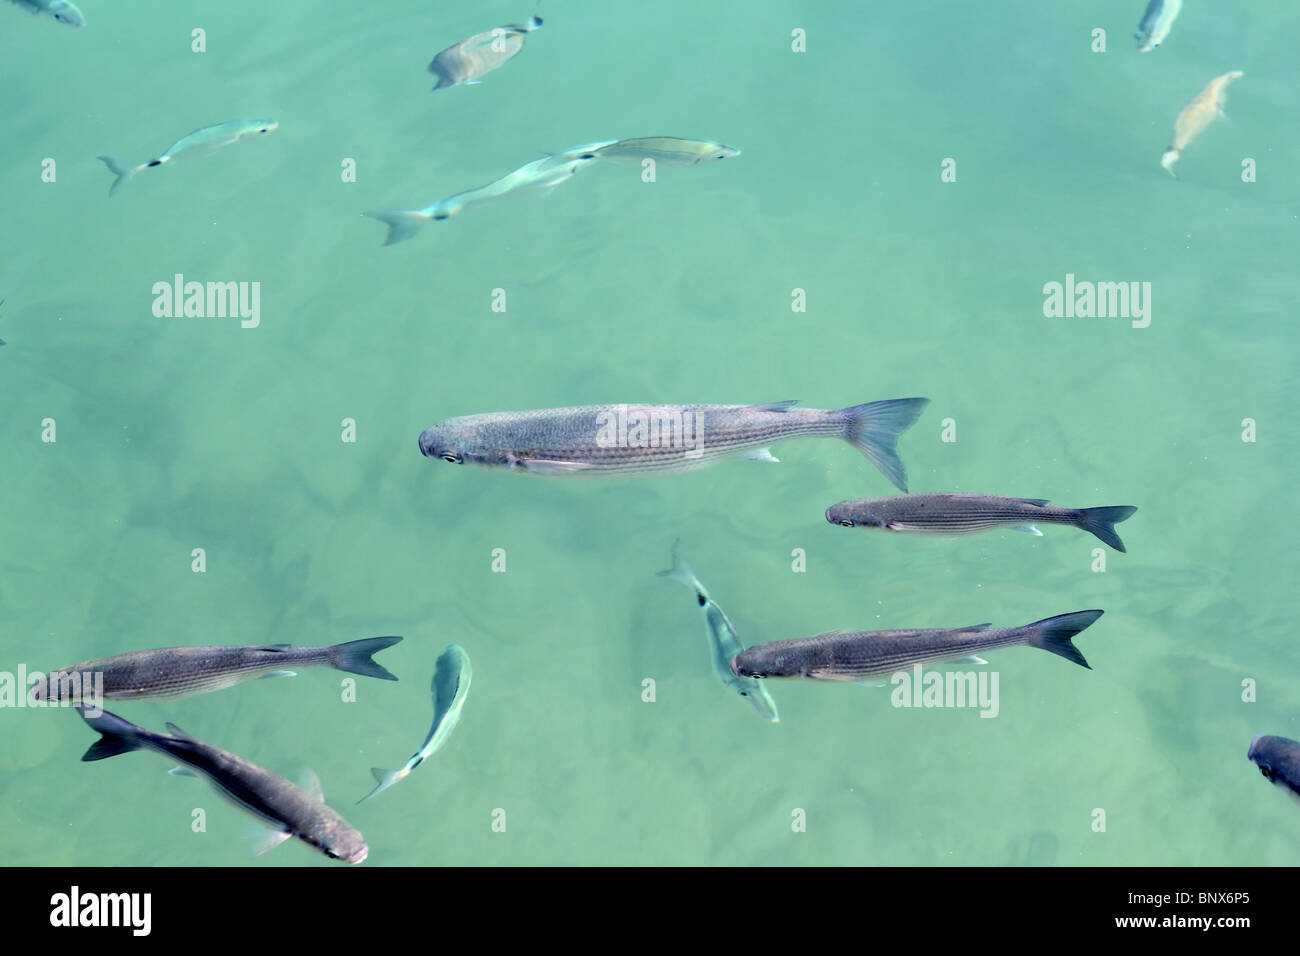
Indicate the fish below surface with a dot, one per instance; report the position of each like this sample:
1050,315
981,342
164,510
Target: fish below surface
608,441
287,808
1278,759
62,11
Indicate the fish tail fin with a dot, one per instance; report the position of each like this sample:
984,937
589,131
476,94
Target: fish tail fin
123,175
355,657
873,429
118,736
1054,633
1168,159
385,779
681,571
1102,521
402,223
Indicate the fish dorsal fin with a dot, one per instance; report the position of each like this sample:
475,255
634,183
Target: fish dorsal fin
310,782
277,648
177,732
978,627
1039,502
776,406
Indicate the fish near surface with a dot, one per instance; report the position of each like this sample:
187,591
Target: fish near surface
198,143
1157,21
287,808
170,673
667,150
466,61
1197,116
958,514
612,441
1278,759
870,655
61,11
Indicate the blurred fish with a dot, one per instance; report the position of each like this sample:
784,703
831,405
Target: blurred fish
169,673
869,655
724,643
197,143
541,173
667,150
1156,23
63,11
451,678
610,441
1278,759
466,61
940,514
1196,116
288,809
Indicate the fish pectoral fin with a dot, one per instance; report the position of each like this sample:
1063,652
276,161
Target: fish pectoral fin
970,659
551,466
1028,529
871,683
760,454
265,842
776,406
177,732
270,674
385,779
179,771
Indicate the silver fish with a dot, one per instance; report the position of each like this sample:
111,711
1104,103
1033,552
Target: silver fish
869,655
451,677
666,150
63,11
608,441
939,514
544,173
724,642
466,61
198,143
1156,23
288,809
1278,759
1195,118
170,673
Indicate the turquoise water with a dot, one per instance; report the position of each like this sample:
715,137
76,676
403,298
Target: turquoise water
183,433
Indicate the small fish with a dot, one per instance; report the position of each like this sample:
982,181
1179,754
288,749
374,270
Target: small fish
866,656
288,809
544,173
724,643
1278,759
64,11
611,441
1156,23
197,143
170,673
666,150
1196,116
451,679
466,61
939,514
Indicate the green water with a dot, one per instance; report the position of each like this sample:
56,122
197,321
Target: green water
184,433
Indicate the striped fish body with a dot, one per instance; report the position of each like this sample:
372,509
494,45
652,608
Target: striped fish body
267,796
948,514
169,673
666,150
871,655
606,441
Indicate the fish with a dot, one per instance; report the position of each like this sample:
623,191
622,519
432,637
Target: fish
64,11
724,642
171,673
197,143
1196,116
954,514
866,656
1156,23
665,150
451,677
466,61
544,173
610,441
1278,759
287,808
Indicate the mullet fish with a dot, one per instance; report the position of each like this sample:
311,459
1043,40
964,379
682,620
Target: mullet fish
1278,759
288,809
169,673
64,11
939,514
466,61
870,655
198,143
724,642
664,150
1156,23
609,441
451,678
1196,116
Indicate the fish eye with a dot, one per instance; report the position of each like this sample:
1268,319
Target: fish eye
847,523
453,459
